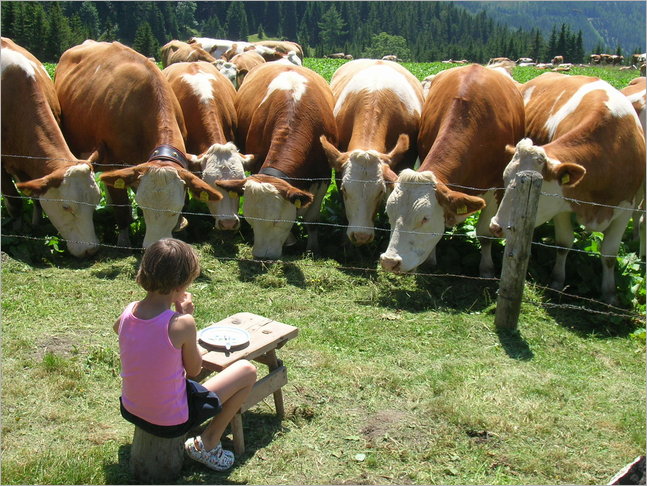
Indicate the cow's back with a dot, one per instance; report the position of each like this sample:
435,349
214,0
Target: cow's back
469,116
585,120
375,102
207,100
282,111
114,96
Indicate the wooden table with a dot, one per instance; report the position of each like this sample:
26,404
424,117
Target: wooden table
266,336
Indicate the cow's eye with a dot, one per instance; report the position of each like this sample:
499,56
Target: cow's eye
66,207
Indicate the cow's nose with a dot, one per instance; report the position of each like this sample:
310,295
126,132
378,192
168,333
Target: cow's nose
390,263
229,224
495,229
361,238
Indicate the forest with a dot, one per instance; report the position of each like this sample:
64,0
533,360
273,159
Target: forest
413,31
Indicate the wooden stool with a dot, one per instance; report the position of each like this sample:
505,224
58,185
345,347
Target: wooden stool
154,459
266,336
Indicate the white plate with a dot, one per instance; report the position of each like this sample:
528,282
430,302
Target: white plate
224,337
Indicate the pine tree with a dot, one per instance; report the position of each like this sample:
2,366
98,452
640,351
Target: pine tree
59,34
236,23
145,42
331,29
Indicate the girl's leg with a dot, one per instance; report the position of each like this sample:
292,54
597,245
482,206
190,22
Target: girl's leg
232,385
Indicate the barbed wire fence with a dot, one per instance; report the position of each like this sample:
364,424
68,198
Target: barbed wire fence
586,306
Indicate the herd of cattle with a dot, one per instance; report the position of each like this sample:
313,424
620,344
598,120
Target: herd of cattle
187,127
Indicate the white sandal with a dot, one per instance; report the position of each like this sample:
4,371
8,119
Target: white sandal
217,458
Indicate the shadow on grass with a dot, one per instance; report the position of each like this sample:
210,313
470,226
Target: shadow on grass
250,271
259,429
515,345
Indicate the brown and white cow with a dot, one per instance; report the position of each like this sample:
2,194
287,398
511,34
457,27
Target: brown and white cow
36,156
586,141
635,92
469,116
283,47
244,63
178,51
282,111
119,104
207,101
377,111
215,47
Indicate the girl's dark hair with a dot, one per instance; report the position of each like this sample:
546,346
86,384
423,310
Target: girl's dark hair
168,265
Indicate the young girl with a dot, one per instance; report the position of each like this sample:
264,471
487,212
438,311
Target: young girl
158,349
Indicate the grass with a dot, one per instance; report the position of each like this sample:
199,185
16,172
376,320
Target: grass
392,379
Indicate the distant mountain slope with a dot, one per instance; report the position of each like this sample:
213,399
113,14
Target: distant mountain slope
607,23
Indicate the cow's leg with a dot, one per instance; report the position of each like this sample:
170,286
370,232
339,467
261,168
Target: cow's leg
12,199
123,213
609,252
563,237
37,214
311,216
486,266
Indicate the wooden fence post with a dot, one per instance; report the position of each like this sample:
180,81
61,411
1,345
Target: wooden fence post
522,195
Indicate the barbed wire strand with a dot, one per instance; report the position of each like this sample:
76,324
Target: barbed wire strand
336,225
319,179
613,310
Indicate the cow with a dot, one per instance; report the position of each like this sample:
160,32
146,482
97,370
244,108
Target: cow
595,58
267,53
585,139
377,111
290,58
215,47
244,63
178,51
462,165
617,59
637,59
557,60
118,105
207,101
236,48
282,111
390,57
229,70
635,92
36,156
283,47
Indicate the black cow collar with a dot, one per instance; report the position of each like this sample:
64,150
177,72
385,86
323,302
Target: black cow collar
271,171
170,153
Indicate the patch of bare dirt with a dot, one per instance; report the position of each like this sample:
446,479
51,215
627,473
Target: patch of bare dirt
63,346
383,422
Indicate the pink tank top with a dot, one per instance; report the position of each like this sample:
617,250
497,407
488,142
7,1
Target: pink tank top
153,378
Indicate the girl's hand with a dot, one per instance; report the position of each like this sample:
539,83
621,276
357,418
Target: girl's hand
185,304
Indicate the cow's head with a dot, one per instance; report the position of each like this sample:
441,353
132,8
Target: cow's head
270,207
160,192
69,196
365,177
229,70
556,174
419,209
224,162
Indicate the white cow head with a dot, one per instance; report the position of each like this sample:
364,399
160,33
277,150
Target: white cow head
364,178
69,197
160,191
229,70
419,209
529,157
270,207
224,162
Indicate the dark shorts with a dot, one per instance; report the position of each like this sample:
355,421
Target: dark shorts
203,404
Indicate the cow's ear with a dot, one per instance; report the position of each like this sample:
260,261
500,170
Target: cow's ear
195,162
200,189
390,177
457,205
510,150
248,161
38,187
122,178
299,198
334,156
394,157
236,186
568,174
